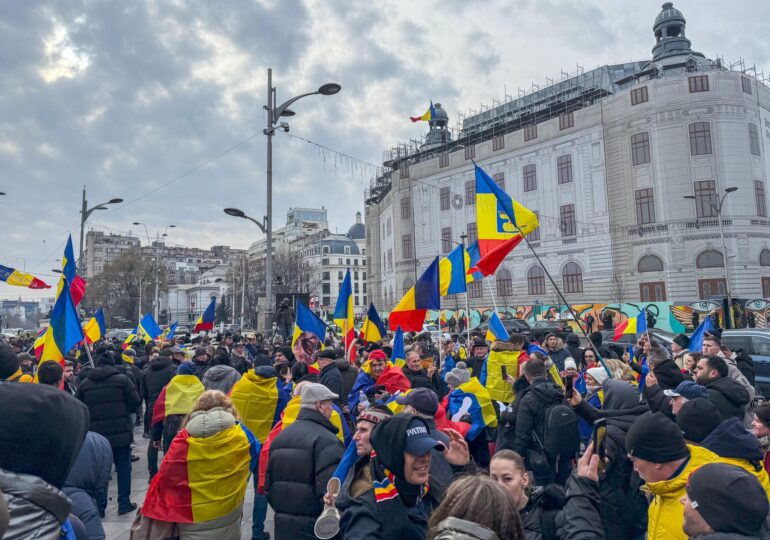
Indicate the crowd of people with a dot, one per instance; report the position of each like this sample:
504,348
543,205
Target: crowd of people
568,442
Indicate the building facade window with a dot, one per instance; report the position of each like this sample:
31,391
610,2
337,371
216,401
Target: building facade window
404,170
705,198
470,192
645,206
444,197
498,142
325,276
766,287
504,283
640,148
499,179
754,140
443,160
708,288
639,95
530,132
566,120
746,85
564,169
407,284
698,83
473,233
700,138
529,174
650,263
406,208
326,288
534,236
572,276
654,291
470,151
446,239
536,280
406,246
759,194
567,224
711,258
475,290
764,258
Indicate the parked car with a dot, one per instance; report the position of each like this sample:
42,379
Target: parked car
512,326
621,345
540,329
433,330
755,342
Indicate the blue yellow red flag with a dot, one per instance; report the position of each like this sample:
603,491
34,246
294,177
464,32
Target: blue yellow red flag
635,325
308,322
343,311
69,269
206,320
473,399
496,331
410,312
95,328
149,327
453,270
64,331
427,116
21,279
398,357
372,329
475,256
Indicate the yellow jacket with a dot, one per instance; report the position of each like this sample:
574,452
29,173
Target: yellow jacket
746,465
666,513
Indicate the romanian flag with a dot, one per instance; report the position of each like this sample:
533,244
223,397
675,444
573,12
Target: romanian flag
429,114
410,312
473,399
501,223
498,388
308,322
131,337
475,255
372,329
260,402
149,327
202,479
636,325
343,311
39,342
69,269
168,333
64,331
206,320
398,357
20,279
453,271
496,331
177,397
95,329
288,417
393,380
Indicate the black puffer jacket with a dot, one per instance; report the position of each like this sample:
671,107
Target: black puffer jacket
302,459
534,401
543,516
331,378
668,374
745,365
506,428
110,397
155,376
729,396
348,374
36,508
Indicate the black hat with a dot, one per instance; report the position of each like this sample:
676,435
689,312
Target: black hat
372,346
697,418
655,438
682,340
327,353
424,400
728,498
480,343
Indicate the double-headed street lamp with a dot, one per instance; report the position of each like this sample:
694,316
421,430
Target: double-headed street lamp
156,303
718,209
274,114
85,212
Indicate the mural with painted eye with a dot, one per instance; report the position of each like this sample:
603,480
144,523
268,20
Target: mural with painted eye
758,304
705,305
759,308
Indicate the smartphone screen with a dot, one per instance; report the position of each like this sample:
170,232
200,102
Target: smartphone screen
600,440
504,372
568,388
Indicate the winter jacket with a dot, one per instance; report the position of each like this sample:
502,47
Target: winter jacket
668,374
419,378
155,376
301,461
581,510
453,528
110,397
534,401
221,378
240,364
558,354
331,378
666,512
90,475
658,401
573,346
730,396
543,512
348,374
506,427
745,365
736,446
37,509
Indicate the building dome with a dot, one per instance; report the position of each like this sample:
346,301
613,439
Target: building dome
669,14
338,245
671,44
357,231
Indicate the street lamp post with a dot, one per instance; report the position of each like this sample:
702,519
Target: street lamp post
718,208
274,114
85,212
156,303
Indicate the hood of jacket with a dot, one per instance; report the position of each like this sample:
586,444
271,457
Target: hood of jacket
202,424
621,404
92,465
731,440
699,456
161,362
220,372
101,372
559,345
453,528
546,391
502,346
573,340
732,390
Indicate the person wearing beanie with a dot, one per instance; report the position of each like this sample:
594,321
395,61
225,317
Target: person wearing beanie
397,503
664,461
697,418
679,348
571,371
111,398
724,501
200,361
366,380
459,375
302,459
9,366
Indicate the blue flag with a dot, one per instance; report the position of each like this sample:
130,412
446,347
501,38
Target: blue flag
398,357
696,339
349,459
149,326
496,331
308,322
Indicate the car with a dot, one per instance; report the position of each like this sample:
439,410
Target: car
621,345
755,342
433,330
540,329
512,326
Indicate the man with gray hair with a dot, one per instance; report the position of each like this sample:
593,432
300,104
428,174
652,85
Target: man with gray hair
306,450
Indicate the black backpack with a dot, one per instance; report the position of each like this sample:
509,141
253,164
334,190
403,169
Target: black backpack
560,431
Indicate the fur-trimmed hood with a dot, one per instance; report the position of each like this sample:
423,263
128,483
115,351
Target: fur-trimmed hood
502,346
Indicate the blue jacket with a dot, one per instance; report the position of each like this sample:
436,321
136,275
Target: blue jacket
89,474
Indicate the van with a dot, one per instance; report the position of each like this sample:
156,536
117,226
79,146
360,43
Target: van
755,342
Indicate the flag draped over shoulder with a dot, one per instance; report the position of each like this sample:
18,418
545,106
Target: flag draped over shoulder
21,279
498,388
496,331
343,311
308,322
502,223
410,312
427,116
95,329
64,331
206,320
635,325
202,479
696,339
259,401
473,399
177,397
372,329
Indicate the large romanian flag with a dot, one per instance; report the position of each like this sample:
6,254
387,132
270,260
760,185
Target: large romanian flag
473,399
429,114
64,331
453,271
95,329
501,223
410,312
372,329
343,311
20,279
260,402
307,322
206,320
202,479
177,397
635,325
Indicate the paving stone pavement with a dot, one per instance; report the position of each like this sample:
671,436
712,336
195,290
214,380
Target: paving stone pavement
118,527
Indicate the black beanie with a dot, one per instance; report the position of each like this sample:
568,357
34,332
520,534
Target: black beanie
104,359
655,438
41,430
9,362
389,440
682,340
697,418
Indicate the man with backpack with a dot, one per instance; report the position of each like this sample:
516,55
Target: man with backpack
546,427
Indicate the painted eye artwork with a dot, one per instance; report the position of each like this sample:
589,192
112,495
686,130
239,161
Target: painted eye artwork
758,304
705,305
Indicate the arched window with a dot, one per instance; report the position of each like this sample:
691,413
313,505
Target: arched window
650,263
408,284
504,283
764,257
572,277
535,280
711,258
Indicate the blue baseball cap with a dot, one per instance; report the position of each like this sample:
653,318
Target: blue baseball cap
418,439
688,390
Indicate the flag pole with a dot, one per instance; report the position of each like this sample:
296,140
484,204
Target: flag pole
88,352
492,294
468,344
563,299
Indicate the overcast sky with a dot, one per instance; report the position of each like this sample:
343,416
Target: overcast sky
126,97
